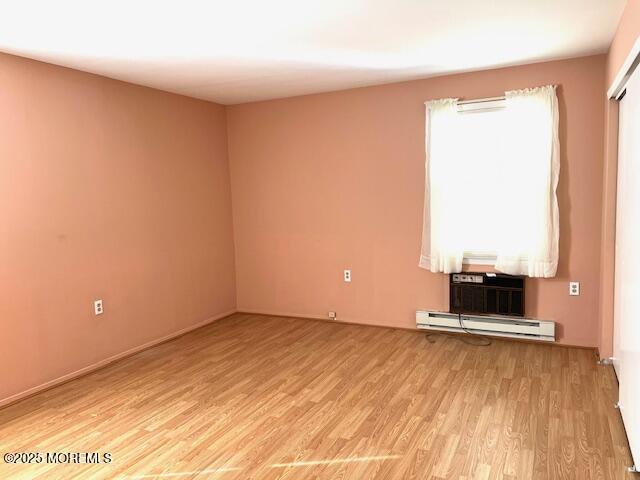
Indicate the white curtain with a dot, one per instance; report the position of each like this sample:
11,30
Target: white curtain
531,246
440,251
517,167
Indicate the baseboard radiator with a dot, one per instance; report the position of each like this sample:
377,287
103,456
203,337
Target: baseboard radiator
500,326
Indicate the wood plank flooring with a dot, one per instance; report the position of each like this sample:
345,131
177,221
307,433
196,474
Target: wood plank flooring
256,397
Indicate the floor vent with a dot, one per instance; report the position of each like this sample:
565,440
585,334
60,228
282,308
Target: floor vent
513,327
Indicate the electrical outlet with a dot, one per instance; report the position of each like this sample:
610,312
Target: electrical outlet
332,315
347,276
574,288
97,307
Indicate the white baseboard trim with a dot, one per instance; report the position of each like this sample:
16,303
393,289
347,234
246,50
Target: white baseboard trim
103,363
338,320
345,321
281,314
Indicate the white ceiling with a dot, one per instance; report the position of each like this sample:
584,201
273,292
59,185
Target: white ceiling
238,51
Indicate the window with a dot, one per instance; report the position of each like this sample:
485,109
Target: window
491,176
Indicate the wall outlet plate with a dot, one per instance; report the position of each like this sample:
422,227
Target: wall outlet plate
347,276
332,315
98,309
574,288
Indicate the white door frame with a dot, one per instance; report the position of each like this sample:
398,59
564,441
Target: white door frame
630,63
629,384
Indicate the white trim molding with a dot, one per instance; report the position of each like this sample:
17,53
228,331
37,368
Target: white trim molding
625,71
103,363
494,325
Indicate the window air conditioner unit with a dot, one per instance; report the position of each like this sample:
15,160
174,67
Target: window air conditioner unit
486,293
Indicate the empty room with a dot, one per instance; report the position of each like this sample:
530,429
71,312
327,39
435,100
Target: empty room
355,239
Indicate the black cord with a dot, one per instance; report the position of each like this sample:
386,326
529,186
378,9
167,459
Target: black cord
485,342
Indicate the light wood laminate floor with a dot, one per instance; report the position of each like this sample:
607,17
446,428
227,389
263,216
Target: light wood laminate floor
257,397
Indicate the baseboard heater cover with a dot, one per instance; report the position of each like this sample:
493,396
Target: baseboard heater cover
512,327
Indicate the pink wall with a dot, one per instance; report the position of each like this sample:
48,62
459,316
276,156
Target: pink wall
335,180
107,190
626,35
